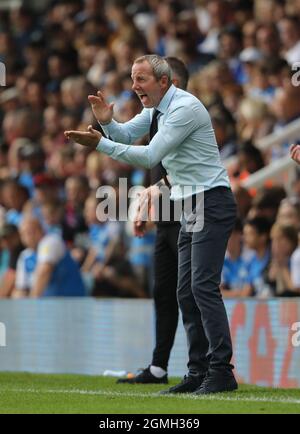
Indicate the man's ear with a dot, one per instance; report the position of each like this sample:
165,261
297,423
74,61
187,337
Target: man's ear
175,81
164,81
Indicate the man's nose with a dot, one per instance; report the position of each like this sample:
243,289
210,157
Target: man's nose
134,86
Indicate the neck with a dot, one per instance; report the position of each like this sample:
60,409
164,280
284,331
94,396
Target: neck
261,251
234,252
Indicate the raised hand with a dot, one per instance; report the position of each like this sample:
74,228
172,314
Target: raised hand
295,153
146,210
89,138
103,111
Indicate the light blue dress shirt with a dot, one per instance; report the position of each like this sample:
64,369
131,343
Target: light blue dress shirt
185,144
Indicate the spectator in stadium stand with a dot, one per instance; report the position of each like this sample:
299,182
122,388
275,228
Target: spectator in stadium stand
266,202
260,88
256,236
104,236
106,270
295,153
283,275
243,199
15,198
201,252
31,159
4,166
224,127
165,267
45,268
290,38
77,190
235,272
229,48
46,188
285,107
10,240
52,212
250,160
268,41
289,212
249,30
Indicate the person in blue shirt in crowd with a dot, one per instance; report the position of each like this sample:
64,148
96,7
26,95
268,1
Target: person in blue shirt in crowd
235,271
15,197
106,270
45,268
32,159
103,237
184,141
11,242
257,237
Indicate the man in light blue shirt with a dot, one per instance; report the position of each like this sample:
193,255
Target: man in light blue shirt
185,144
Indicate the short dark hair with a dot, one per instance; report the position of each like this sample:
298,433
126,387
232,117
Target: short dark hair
262,225
178,67
294,19
238,226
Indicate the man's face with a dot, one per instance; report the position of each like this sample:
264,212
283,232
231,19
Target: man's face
146,86
251,237
30,234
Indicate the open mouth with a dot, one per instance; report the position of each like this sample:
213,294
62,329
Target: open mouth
142,96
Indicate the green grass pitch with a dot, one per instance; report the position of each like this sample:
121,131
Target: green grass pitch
43,393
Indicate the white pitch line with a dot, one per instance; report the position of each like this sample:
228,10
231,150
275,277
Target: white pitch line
214,397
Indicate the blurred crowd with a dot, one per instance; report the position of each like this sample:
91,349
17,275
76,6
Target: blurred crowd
240,55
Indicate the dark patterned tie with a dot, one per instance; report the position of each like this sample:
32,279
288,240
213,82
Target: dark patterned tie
153,131
154,124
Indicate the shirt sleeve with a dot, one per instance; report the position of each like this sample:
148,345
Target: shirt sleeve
51,250
179,124
130,131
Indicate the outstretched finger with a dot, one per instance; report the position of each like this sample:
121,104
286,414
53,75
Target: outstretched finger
76,135
295,152
94,99
100,95
73,132
294,147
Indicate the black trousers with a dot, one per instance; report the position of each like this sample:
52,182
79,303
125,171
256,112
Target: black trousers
164,293
201,257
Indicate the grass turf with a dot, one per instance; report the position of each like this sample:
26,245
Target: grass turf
41,393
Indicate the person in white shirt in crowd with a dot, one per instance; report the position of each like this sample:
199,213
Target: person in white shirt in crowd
45,267
283,272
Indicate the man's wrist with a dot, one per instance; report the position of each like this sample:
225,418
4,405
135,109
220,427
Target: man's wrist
97,148
160,183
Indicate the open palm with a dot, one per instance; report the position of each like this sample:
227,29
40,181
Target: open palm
103,111
89,138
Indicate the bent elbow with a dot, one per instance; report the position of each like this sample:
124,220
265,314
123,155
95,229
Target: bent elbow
152,162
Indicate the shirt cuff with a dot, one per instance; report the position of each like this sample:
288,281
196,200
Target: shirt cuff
106,146
107,127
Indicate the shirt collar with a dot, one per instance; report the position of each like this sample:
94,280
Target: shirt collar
166,99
